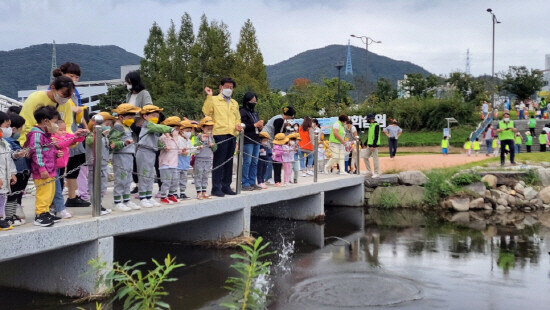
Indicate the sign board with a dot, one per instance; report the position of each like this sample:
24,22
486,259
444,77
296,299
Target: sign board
446,132
358,121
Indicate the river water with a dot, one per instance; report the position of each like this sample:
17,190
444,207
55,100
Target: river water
361,259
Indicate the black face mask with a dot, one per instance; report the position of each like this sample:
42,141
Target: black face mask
251,105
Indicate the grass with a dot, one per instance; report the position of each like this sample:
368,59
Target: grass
429,138
388,199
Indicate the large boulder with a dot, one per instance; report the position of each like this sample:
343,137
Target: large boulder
529,193
490,179
383,179
544,195
478,188
519,188
406,196
413,177
460,204
544,176
477,204
502,201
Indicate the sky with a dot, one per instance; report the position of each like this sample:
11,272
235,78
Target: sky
434,34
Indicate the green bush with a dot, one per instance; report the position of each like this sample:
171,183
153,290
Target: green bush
532,178
388,199
464,179
438,187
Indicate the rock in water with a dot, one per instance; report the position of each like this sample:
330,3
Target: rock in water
519,188
477,204
478,188
544,194
414,177
529,193
460,204
544,176
491,180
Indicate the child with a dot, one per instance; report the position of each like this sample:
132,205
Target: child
278,152
147,146
542,141
288,157
107,124
328,154
321,157
7,169
23,168
184,156
63,140
204,156
262,162
123,148
445,146
477,147
528,141
496,146
518,142
168,162
296,149
532,125
468,146
43,160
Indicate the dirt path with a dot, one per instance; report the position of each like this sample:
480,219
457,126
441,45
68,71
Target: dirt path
424,162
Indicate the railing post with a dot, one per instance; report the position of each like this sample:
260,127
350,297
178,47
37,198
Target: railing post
240,161
96,195
357,161
315,154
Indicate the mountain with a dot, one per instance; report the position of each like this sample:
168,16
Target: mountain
319,63
28,67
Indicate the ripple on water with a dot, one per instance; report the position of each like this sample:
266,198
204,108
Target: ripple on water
355,290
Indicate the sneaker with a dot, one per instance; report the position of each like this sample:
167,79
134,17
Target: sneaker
229,191
183,196
64,214
343,173
205,196
105,211
173,198
122,207
154,202
132,205
247,189
310,172
270,182
4,225
262,185
256,187
158,196
304,174
135,190
76,202
15,220
325,170
218,194
55,218
165,201
199,196
375,175
43,220
145,203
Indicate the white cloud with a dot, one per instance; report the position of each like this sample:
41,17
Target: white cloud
433,34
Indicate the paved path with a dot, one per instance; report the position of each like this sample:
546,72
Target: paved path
424,162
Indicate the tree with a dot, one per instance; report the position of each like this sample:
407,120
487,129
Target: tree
384,90
151,62
171,62
419,86
522,82
249,63
470,88
115,96
186,38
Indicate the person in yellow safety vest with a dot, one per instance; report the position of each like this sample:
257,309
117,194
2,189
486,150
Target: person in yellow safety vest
542,141
476,146
532,125
528,141
506,132
496,145
468,146
445,146
517,142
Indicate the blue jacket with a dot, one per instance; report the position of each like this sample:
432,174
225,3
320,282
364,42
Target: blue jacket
21,164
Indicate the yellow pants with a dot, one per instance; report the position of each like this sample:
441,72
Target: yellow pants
44,195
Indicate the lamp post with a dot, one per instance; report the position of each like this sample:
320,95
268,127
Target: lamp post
367,41
495,21
339,66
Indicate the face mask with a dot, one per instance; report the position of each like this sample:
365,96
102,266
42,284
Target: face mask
187,134
288,128
154,120
227,92
128,122
53,128
506,119
16,135
129,87
104,128
292,142
6,132
60,99
251,105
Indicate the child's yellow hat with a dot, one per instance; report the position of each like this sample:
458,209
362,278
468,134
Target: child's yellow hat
172,121
150,109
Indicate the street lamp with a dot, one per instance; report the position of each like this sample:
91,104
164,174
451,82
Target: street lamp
367,41
495,21
339,66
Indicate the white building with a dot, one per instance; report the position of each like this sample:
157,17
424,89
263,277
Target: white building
89,90
545,91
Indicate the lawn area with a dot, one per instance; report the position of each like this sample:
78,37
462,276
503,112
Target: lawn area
429,138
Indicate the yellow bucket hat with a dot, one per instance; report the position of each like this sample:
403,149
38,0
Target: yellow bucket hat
172,121
150,109
126,108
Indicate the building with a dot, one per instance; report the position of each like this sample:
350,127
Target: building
545,91
89,90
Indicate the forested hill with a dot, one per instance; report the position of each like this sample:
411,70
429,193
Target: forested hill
31,66
319,63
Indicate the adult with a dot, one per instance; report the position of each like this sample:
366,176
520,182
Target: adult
306,146
488,136
521,109
543,107
485,109
393,132
507,105
506,131
137,94
337,145
373,142
225,112
251,143
275,125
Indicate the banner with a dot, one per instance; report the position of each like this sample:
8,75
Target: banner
358,121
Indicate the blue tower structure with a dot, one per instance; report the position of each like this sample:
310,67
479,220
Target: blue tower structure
349,69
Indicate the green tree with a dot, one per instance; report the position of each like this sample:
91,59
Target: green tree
186,38
470,88
249,63
419,86
115,95
151,62
171,62
384,90
522,82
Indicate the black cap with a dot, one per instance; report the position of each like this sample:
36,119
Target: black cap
370,116
289,111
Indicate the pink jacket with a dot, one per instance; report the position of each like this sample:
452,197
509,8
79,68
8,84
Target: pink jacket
288,155
63,142
43,155
169,156
278,153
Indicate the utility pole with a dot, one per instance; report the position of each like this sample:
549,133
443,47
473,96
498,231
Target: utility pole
54,62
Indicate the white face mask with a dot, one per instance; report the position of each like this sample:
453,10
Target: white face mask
187,134
506,119
60,99
292,142
129,87
227,92
6,132
288,128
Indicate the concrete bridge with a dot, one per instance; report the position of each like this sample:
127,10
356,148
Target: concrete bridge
54,259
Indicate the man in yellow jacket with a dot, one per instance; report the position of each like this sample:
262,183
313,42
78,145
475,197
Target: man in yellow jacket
225,112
